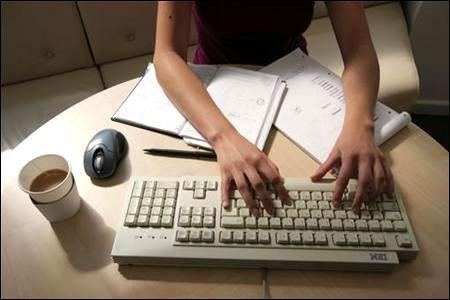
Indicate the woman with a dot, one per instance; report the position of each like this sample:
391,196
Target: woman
259,33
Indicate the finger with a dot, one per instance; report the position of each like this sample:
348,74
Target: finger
260,188
365,178
270,172
225,189
389,180
379,180
341,183
241,183
331,161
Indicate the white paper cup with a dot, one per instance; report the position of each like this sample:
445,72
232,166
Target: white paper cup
40,165
62,209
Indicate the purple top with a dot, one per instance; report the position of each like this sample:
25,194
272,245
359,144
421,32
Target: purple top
240,32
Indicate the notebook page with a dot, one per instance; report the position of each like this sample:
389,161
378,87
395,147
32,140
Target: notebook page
148,106
313,110
244,97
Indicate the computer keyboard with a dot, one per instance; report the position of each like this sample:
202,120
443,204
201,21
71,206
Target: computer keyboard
180,221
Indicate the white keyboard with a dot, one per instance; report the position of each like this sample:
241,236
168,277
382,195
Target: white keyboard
179,221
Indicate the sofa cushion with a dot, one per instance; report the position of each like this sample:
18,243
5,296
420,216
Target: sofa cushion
41,39
28,105
120,71
398,73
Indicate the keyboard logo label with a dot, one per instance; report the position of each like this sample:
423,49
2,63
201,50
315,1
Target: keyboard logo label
378,256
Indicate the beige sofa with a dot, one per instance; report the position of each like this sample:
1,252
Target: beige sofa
55,54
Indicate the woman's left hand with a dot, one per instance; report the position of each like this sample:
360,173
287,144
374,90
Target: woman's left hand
356,153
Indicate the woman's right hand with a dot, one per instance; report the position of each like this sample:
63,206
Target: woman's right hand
250,168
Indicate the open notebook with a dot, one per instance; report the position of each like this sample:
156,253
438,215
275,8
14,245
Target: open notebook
312,113
248,99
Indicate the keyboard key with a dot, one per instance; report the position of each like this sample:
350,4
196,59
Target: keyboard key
339,239
361,225
387,226
308,238
282,238
264,237
167,184
374,225
182,236
167,221
158,202
403,241
316,214
188,185
200,184
155,221
352,215
295,238
229,211
328,214
277,204
399,226
294,195
321,238
336,224
199,194
324,205
160,193
238,237
287,223
299,223
149,184
300,204
148,193
208,221
251,237
197,211
133,206
233,222
168,211
211,185
303,213
378,240
365,240
352,239
275,223
195,236
250,222
209,211
225,237
186,211
196,221
156,211
317,196
280,213
312,204
328,196
184,221
244,212
292,213
324,224
169,202
171,193
377,215
263,223
340,214
392,215
146,201
305,195
208,236
240,203
138,189
349,225
311,224
365,215
347,205
130,220
144,210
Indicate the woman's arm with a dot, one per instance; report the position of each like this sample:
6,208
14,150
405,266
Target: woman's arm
355,149
238,159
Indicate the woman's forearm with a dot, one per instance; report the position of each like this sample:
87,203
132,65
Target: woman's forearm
190,96
360,81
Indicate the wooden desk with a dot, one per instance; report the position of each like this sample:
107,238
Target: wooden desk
72,259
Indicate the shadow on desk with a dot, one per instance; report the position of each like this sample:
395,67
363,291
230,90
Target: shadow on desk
86,239
190,274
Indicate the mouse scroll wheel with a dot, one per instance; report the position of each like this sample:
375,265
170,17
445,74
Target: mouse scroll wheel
98,161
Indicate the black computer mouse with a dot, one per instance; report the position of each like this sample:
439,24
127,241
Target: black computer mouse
104,152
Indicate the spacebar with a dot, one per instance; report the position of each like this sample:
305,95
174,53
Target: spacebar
233,222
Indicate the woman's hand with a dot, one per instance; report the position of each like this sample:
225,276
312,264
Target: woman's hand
250,168
356,153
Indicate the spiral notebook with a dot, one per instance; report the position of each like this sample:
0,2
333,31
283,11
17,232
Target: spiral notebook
312,112
248,99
